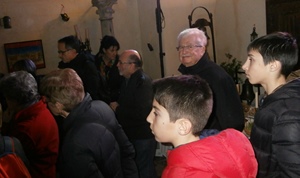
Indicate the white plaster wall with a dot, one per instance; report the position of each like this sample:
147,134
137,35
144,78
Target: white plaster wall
126,25
232,19
149,35
134,27
40,19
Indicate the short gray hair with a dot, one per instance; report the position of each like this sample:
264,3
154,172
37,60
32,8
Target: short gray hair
20,87
64,86
202,39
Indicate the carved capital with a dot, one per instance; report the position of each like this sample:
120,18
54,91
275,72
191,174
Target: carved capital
105,10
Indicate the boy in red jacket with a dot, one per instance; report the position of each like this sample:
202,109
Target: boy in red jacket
181,108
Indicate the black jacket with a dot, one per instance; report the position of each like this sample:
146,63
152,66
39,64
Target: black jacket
88,73
112,79
94,144
227,110
275,135
135,104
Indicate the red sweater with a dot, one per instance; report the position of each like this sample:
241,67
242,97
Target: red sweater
228,154
37,130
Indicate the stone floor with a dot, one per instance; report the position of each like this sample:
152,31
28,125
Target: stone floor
160,164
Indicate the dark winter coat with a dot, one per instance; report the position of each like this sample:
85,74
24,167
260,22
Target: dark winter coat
88,73
135,104
227,110
112,79
94,144
275,135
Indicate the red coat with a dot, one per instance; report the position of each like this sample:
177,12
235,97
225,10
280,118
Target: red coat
228,154
37,130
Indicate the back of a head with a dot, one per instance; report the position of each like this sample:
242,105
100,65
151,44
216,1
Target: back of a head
279,46
64,86
107,42
185,96
19,86
201,37
71,42
25,65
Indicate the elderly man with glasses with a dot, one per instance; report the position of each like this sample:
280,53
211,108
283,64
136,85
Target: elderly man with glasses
227,109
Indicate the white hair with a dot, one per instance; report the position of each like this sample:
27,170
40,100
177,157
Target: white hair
202,39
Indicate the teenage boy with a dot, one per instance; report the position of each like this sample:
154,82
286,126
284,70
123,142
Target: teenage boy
181,108
275,133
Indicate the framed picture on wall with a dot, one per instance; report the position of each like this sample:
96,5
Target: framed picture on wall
26,49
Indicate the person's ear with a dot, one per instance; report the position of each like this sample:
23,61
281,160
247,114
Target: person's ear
58,105
204,48
275,66
184,126
61,109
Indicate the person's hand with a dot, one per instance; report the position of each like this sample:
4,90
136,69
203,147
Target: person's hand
114,105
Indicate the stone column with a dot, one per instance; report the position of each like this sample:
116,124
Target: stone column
105,12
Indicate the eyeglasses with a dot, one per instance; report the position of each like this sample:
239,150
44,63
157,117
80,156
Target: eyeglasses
188,47
120,62
63,52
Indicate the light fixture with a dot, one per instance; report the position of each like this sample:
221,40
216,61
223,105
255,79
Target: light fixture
253,35
201,24
64,16
247,92
6,22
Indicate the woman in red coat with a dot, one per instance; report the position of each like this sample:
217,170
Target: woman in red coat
31,122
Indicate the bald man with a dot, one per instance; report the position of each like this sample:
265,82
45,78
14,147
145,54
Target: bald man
132,109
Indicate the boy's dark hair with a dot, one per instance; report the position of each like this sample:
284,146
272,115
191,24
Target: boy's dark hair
279,46
185,96
107,42
71,42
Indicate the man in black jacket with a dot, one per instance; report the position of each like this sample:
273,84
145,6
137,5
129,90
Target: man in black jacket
71,57
227,110
133,106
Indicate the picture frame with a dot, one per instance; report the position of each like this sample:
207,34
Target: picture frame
25,50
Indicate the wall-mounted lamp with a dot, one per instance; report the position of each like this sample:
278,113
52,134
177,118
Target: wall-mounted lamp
64,16
253,35
247,92
202,23
5,22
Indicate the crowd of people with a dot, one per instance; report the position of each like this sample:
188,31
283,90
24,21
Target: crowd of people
102,115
